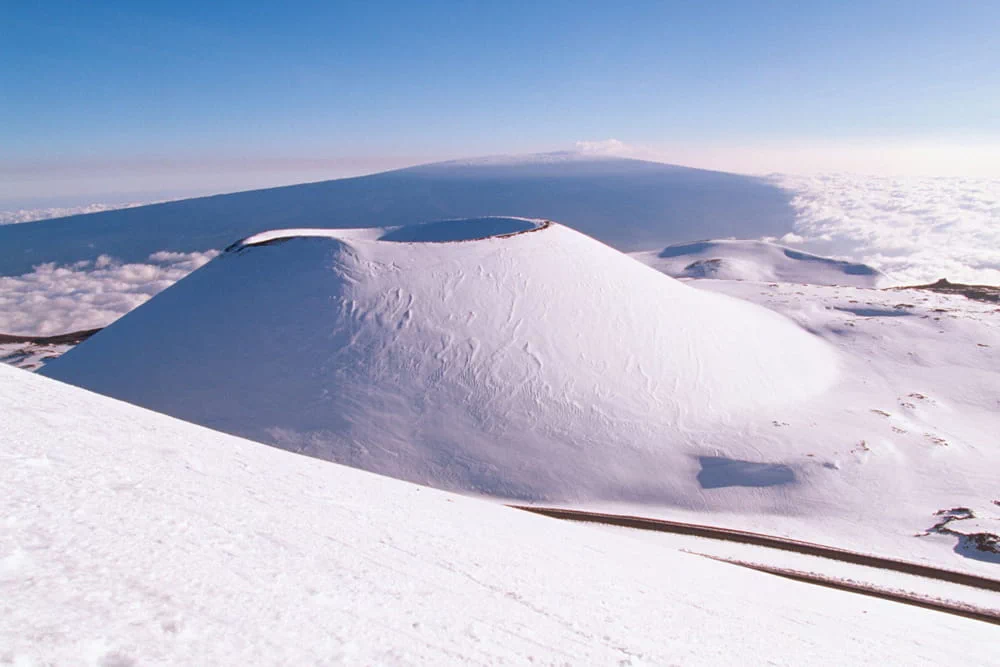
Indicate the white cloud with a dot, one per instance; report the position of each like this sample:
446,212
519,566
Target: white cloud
32,214
604,147
917,229
85,295
618,148
791,238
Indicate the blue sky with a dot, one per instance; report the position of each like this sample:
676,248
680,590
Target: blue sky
142,97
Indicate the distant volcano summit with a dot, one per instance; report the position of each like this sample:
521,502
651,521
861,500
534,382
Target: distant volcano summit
628,204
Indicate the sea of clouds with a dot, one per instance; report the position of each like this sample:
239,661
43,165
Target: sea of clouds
86,295
16,216
915,229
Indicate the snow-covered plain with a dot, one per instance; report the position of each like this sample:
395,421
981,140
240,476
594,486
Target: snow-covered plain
547,366
132,538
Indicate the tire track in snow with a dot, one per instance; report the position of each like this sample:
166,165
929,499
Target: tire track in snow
760,539
913,599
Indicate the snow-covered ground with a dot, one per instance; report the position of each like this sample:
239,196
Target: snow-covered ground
31,356
926,587
132,538
547,366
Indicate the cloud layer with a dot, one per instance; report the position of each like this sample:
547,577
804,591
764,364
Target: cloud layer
32,214
915,229
58,299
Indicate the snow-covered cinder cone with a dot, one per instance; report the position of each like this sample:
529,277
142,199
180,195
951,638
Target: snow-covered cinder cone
505,356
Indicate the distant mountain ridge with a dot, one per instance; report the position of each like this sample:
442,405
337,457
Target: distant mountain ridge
629,204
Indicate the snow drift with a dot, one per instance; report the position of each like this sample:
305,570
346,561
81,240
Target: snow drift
533,363
758,261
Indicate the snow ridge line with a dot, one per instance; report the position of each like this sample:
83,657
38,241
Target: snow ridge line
760,539
871,590
274,237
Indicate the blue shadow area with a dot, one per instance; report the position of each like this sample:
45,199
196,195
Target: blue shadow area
875,312
850,268
685,249
458,230
718,472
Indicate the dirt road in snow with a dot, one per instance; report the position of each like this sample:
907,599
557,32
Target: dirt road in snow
806,548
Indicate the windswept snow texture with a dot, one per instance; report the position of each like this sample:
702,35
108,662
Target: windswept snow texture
543,365
758,261
132,538
630,204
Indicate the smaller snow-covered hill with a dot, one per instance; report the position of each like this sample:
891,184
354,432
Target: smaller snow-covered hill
758,261
133,538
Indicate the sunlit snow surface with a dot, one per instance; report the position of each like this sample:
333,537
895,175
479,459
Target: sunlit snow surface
131,538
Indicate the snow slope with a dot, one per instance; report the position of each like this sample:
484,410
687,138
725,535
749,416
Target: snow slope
133,538
758,261
538,365
631,204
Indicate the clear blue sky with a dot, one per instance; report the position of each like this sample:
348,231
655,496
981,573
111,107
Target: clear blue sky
148,96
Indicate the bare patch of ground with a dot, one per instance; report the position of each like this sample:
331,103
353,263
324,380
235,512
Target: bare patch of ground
980,545
987,293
